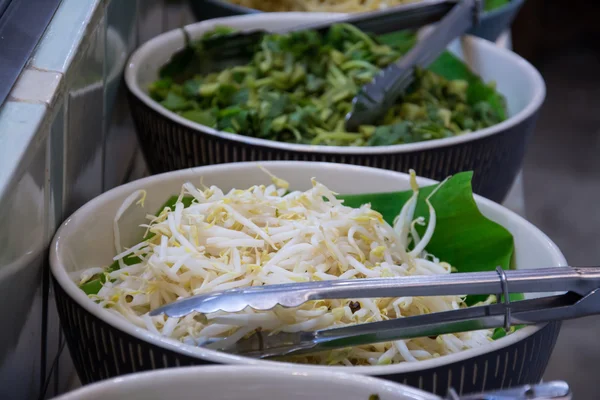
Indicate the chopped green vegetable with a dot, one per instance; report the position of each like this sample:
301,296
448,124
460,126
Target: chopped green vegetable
298,88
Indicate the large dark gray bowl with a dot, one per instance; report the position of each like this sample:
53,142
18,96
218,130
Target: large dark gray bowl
495,154
105,345
491,25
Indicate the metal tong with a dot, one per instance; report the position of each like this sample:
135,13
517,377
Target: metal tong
581,297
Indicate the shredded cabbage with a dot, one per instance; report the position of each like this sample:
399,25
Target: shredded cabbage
264,236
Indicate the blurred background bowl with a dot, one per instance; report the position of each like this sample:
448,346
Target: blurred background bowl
170,142
491,25
245,383
105,345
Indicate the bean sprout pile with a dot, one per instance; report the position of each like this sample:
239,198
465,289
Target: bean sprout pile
266,235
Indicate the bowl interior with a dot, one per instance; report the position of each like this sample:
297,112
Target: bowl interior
513,76
248,383
86,239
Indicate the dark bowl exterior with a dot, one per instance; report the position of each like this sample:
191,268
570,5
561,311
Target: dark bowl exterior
491,24
209,9
100,351
496,159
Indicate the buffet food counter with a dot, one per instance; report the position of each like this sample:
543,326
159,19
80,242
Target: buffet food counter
66,136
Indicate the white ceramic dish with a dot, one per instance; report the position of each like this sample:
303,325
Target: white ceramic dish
86,240
171,142
516,79
244,383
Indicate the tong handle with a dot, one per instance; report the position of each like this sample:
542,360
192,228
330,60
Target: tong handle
562,279
525,312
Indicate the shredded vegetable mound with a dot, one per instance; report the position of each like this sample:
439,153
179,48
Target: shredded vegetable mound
298,87
264,236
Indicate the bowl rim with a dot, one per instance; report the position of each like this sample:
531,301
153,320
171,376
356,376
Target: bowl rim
234,7
137,61
68,285
248,10
207,372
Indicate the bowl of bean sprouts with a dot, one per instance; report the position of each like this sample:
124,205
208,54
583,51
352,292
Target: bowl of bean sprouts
247,224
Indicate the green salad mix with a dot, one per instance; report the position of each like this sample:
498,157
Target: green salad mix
298,88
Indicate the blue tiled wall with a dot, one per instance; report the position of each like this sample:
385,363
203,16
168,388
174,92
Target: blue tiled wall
65,137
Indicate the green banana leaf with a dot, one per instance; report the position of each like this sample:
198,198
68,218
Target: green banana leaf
463,237
451,67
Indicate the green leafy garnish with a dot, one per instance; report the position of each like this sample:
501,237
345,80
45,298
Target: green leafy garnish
491,5
501,332
298,88
94,284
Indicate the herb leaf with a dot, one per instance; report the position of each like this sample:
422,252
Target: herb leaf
94,285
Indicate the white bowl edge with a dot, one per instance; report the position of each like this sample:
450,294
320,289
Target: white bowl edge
171,378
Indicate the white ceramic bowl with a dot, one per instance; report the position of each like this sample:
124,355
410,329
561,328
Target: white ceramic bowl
105,345
171,142
244,383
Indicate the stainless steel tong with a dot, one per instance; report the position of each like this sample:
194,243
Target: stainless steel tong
579,287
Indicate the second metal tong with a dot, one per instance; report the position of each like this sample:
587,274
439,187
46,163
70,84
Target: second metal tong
579,286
